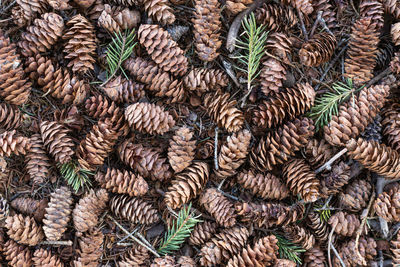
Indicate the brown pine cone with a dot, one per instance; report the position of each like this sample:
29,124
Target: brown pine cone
266,185
363,47
395,32
58,143
374,10
144,70
24,230
223,111
356,196
11,143
279,45
134,209
395,249
272,74
122,182
202,232
122,90
146,161
355,115
86,213
203,80
318,227
186,261
44,258
278,146
318,152
314,257
166,261
163,50
94,11
181,149
262,253
57,214
395,63
80,45
300,236
387,205
85,4
285,105
17,255
335,179
27,10
219,207
237,6
318,50
136,256
284,263
90,249
70,117
10,117
328,13
276,17
4,210
344,224
392,7
223,246
187,185
205,149
30,206
349,255
159,10
304,6
42,35
38,163
59,4
391,125
116,19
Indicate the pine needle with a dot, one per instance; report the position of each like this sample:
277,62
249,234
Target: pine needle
324,212
179,231
289,250
76,177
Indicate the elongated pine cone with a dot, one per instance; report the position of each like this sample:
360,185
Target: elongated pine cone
24,230
276,17
135,256
38,163
56,140
70,117
186,261
166,261
237,6
159,10
278,146
206,29
344,224
363,48
17,255
14,88
300,236
392,7
374,10
318,227
304,6
223,111
203,80
272,75
122,90
134,209
44,258
335,179
27,10
81,44
284,263
162,49
395,249
116,19
355,115
318,152
30,206
90,248
328,13
11,143
318,50
356,195
10,117
181,149
387,205
202,232
219,207
314,257
42,35
57,214
284,105
146,161
122,182
86,213
391,125
279,45
348,252
224,245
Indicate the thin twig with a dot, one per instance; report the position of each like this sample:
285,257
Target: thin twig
363,222
338,256
316,23
57,243
330,245
132,233
216,148
380,184
8,7
328,164
378,77
229,70
302,26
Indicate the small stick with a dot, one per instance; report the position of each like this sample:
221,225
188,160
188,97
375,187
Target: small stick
330,245
302,26
57,243
328,164
7,7
380,183
378,77
216,148
360,229
338,256
316,23
132,233
228,68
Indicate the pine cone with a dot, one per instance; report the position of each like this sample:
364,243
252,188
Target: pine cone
166,261
136,256
17,255
70,117
314,257
385,53
11,143
362,51
223,111
144,71
219,207
162,49
202,232
38,163
27,10
356,196
300,236
4,210
203,80
272,74
373,130
304,6
95,10
284,263
279,45
122,90
395,32
205,149
328,13
122,182
344,224
10,117
116,19
159,10
278,146
90,248
30,206
387,205
395,249
318,227
85,4
24,230
336,179
58,143
42,35
276,17
262,253
86,213
223,246
374,10
318,50
59,4
181,149
57,214
285,105
237,6
186,261
44,258
392,7
318,152
81,44
349,255
133,209
354,116
391,125
266,185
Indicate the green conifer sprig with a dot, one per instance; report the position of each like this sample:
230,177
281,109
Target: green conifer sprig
76,177
289,250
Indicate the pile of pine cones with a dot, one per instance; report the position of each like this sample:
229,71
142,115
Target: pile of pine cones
97,164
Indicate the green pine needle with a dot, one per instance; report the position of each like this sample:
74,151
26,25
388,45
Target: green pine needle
324,214
76,177
289,250
179,231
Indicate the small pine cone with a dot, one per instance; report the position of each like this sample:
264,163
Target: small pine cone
318,50
266,185
355,115
42,35
335,179
284,263
162,49
11,143
86,213
395,63
300,236
392,7
59,4
90,248
223,246
27,10
94,12
30,206
166,261
374,10
395,249
205,149
348,252
363,48
328,13
385,53
44,258
134,209
203,80
395,32
181,149
17,255
318,152
285,105
387,205
273,73
136,256
38,163
70,117
186,261
202,232
262,253
85,4
10,117
314,257
318,227
4,211
373,130
344,224
391,125
219,207
223,111
148,118
159,10
305,6
276,17
146,161
356,196
57,214
116,19
122,90
24,230
56,140
237,6
122,182
144,70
